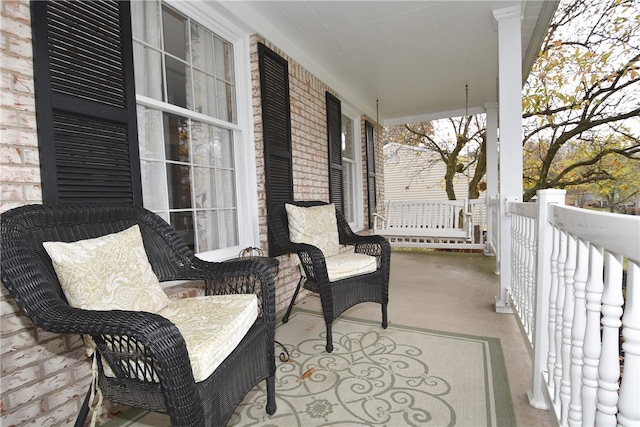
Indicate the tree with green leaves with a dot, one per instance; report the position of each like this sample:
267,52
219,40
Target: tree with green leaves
618,177
581,101
619,193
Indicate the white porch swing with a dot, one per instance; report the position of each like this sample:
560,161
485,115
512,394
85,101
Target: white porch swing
431,223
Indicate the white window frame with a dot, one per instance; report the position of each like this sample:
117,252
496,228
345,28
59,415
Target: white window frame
244,150
357,184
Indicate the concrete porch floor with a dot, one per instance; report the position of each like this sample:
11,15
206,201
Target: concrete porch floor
455,292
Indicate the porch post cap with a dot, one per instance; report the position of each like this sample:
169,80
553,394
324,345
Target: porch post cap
507,13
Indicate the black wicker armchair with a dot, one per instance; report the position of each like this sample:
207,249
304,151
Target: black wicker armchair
339,295
151,341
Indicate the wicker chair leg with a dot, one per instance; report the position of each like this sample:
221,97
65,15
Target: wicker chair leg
285,319
329,338
84,410
385,323
271,395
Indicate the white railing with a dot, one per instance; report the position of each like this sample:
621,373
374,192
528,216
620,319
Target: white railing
493,227
434,223
575,287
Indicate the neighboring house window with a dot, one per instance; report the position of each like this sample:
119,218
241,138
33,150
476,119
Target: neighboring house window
85,103
188,126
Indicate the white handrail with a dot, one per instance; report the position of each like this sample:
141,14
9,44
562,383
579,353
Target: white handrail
577,259
616,232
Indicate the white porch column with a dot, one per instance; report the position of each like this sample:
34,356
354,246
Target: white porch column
491,110
510,123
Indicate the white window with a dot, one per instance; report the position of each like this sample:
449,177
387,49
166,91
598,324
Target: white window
351,167
190,137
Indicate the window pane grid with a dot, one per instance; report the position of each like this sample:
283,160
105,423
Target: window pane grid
187,144
183,50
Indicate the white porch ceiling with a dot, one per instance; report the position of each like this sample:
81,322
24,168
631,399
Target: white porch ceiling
413,56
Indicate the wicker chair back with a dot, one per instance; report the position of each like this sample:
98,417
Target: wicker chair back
337,296
150,339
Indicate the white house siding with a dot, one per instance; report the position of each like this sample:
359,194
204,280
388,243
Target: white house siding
405,179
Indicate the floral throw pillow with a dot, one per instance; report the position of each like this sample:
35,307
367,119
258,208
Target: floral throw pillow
315,225
110,272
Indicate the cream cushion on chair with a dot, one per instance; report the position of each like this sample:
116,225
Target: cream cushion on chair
113,272
110,272
212,327
317,226
314,225
346,265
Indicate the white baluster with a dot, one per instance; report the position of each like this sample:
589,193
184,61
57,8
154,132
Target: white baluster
553,293
628,404
514,264
543,255
531,276
524,268
592,344
557,371
524,306
523,274
567,321
609,367
578,331
520,266
433,215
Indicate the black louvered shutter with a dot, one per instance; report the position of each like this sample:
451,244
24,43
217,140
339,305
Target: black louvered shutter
276,129
334,142
85,101
371,169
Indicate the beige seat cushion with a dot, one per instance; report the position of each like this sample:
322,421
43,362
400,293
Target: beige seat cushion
212,327
112,272
346,265
314,225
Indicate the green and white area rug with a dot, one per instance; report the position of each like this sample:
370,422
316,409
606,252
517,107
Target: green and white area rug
399,376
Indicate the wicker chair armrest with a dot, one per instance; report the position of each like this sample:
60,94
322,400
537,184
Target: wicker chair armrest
357,239
159,336
373,245
161,341
376,246
313,262
237,277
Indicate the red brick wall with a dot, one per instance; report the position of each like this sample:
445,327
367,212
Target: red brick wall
19,161
309,149
44,376
310,154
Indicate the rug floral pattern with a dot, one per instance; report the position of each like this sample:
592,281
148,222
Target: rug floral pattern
373,377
